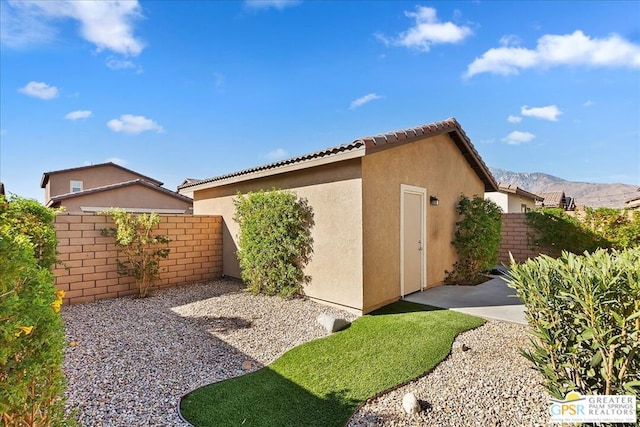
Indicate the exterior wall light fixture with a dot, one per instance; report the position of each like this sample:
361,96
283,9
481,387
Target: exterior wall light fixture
434,200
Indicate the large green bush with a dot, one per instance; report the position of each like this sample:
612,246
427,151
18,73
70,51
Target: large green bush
476,239
606,228
141,247
31,328
275,242
584,312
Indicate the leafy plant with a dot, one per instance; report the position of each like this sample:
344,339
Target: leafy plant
31,329
584,312
477,239
556,231
275,242
141,248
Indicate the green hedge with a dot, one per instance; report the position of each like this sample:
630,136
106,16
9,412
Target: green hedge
476,239
584,312
275,242
31,328
603,228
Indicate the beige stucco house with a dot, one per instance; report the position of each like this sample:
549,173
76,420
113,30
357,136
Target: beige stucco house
384,210
512,199
99,187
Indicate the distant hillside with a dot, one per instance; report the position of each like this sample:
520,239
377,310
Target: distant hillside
585,193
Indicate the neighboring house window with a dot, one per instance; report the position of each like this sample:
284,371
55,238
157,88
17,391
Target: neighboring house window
76,186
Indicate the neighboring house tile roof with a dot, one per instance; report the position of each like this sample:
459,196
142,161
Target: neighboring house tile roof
553,199
361,146
633,202
45,176
508,188
57,199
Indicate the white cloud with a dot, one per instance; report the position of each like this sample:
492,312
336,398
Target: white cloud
106,24
516,137
131,124
550,112
117,161
123,64
510,40
427,31
514,119
39,90
79,114
588,103
556,50
270,4
276,154
363,100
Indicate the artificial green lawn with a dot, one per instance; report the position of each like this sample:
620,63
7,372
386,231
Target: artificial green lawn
322,382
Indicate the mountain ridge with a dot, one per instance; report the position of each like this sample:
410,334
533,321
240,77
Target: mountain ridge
585,193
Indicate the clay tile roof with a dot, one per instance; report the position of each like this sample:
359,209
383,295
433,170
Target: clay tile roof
553,198
449,126
104,188
508,188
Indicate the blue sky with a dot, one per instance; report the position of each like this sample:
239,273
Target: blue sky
177,89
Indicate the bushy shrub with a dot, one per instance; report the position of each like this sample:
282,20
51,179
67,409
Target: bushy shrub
275,242
477,239
142,249
31,329
584,312
603,228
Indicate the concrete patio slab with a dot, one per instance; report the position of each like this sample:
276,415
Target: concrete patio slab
491,300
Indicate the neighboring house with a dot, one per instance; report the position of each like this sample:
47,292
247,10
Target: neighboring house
384,210
2,189
513,199
186,182
99,187
633,203
557,199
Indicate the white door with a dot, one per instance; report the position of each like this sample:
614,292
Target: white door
412,238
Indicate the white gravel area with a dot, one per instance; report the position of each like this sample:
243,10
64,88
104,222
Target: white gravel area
488,384
134,358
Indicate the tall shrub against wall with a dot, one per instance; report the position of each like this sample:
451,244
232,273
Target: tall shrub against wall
556,231
31,329
476,239
584,312
275,242
140,245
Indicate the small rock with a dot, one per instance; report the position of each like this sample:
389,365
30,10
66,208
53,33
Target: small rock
247,365
332,323
460,347
410,403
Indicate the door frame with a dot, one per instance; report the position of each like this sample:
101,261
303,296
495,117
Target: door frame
422,192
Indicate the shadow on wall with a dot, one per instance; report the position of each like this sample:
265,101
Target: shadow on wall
230,264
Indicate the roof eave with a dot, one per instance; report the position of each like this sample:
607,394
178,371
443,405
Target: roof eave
305,164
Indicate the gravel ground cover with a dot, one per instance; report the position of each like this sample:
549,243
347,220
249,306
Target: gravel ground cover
134,358
489,384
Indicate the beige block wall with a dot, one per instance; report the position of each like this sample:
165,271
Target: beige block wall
334,193
514,239
436,165
133,196
88,269
59,183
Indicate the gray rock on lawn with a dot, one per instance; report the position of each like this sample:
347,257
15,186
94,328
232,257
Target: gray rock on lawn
332,323
410,403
